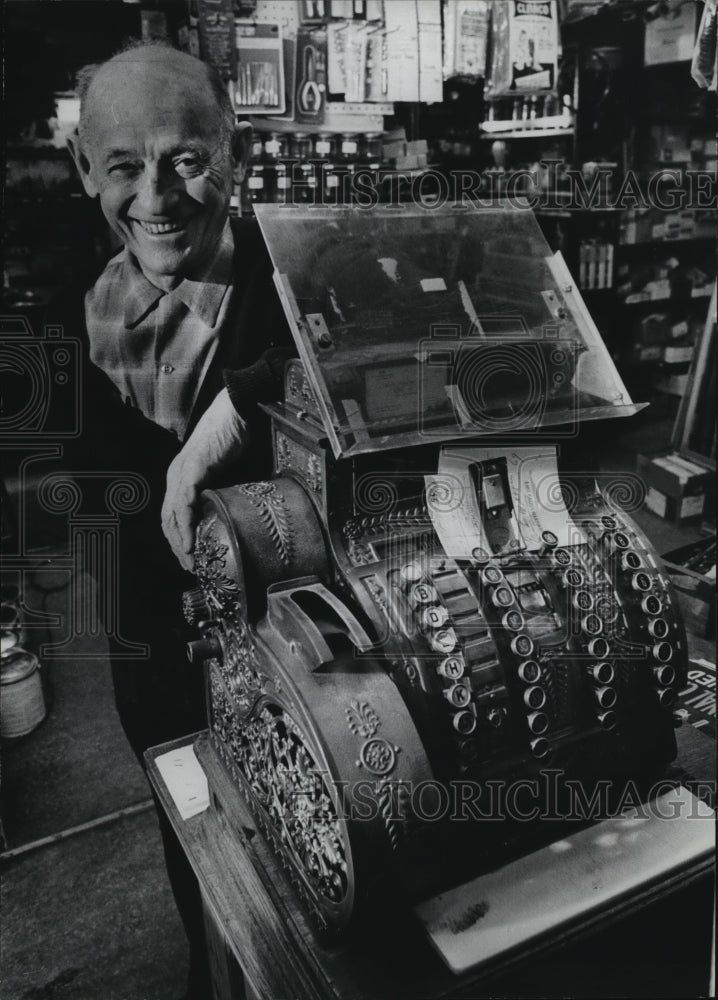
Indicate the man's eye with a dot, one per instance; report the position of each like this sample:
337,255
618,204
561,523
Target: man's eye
185,165
124,168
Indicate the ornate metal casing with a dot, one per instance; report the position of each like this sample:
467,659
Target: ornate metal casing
404,608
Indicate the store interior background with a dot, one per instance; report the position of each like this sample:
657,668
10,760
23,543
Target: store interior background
87,911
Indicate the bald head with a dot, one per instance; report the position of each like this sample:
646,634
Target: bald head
157,68
159,147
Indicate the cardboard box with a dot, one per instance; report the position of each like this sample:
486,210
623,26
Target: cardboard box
696,587
670,474
683,511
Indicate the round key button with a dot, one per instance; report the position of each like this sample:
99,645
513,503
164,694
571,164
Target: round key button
540,747
464,722
444,641
658,628
538,722
602,672
641,582
651,605
665,675
502,597
582,600
422,593
562,557
411,572
663,651
522,645
513,621
599,648
434,616
534,698
167,369
573,578
452,667
607,720
491,575
459,695
591,624
631,560
606,697
529,671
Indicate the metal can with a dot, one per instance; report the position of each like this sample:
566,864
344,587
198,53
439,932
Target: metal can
22,706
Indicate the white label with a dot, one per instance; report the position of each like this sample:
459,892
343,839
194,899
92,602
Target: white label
332,181
349,146
433,285
256,182
272,146
283,182
323,147
691,506
656,501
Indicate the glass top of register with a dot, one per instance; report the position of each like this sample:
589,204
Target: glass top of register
420,325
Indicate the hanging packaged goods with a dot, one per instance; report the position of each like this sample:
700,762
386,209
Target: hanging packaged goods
524,46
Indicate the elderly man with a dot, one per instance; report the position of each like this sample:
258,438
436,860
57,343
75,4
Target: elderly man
183,336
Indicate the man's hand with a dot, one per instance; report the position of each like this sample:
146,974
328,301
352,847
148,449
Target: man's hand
218,440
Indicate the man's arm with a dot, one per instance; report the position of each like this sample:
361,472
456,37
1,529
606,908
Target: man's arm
218,441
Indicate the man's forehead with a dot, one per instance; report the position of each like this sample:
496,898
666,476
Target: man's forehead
130,95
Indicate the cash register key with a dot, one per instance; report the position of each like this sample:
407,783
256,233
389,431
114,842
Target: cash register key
662,651
195,606
502,597
411,572
452,668
444,641
200,650
434,616
641,582
522,645
658,628
538,722
534,697
606,696
666,697
602,673
549,542
665,675
464,722
631,560
607,720
621,540
459,695
562,557
529,671
609,521
599,648
422,593
491,575
513,621
592,625
582,600
651,605
573,578
540,747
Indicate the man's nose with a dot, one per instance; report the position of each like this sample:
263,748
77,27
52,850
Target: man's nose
158,189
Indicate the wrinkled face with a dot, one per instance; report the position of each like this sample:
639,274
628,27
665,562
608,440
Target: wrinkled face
152,149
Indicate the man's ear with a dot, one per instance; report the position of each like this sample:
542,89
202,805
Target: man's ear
83,164
241,146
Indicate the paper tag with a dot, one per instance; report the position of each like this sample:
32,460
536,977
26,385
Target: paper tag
692,506
433,285
185,780
656,501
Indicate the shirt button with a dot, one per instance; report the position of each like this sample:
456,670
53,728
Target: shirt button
167,369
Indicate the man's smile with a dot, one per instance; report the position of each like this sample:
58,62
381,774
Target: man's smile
160,228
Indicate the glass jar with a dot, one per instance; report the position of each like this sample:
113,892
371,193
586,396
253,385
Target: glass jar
325,146
371,148
330,184
255,185
276,147
282,185
300,146
256,149
348,147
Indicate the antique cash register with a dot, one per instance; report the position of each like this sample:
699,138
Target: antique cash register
423,599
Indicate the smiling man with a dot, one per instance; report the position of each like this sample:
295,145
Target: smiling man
184,337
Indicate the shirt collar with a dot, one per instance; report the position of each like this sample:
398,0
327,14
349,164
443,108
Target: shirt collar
203,295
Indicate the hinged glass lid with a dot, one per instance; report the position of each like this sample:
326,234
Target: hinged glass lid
419,325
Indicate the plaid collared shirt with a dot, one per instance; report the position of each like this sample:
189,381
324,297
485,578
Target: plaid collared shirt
157,346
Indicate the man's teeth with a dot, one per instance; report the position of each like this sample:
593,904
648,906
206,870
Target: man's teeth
155,228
